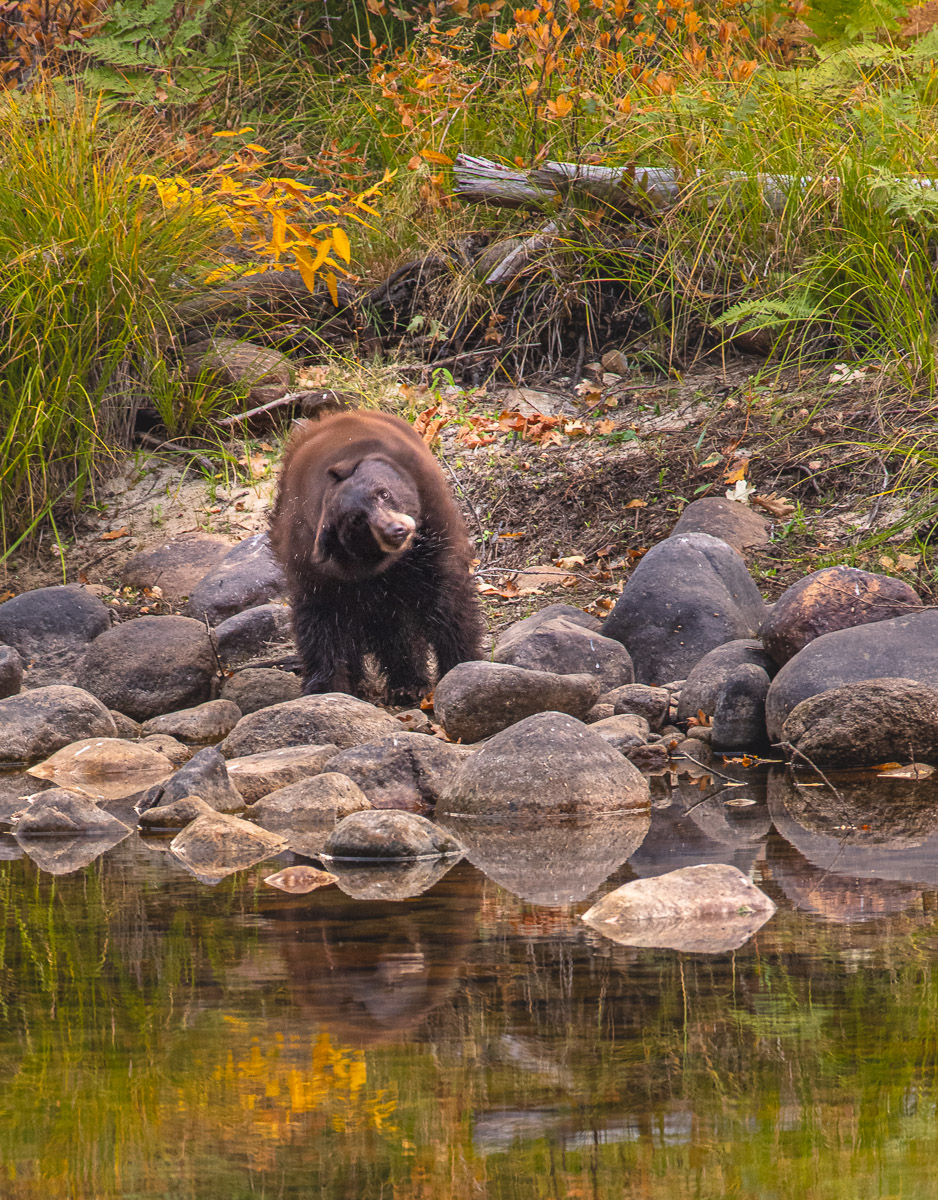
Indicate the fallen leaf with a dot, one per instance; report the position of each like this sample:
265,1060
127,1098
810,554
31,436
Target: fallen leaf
576,429
571,562
637,504
6,596
607,425
115,533
905,562
740,492
712,460
773,504
266,447
737,472
256,465
909,771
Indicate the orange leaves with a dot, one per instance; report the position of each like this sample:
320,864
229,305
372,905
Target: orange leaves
539,428
559,108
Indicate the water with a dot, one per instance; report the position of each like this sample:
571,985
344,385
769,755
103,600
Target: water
163,1038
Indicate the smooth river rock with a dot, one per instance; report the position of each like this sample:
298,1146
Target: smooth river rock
50,628
36,723
564,647
215,845
104,768
476,699
11,672
732,522
707,679
256,775
254,688
688,594
204,775
253,633
548,763
150,666
405,771
208,722
247,576
388,835
59,811
176,566
332,717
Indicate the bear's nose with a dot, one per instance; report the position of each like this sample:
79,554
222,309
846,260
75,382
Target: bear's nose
396,534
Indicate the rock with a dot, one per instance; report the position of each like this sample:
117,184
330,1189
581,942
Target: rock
310,720
560,860
552,612
476,699
252,633
50,628
622,732
215,845
700,733
403,771
231,361
62,855
314,804
176,566
256,775
150,665
35,724
388,835
383,881
732,522
204,775
688,594
648,758
255,688
11,672
711,909
15,789
300,880
208,722
866,723
104,768
903,648
835,598
414,720
600,711
708,678
638,699
176,752
565,647
549,763
175,815
126,726
739,715
59,811
246,577
693,749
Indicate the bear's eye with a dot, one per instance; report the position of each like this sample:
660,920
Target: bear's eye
384,495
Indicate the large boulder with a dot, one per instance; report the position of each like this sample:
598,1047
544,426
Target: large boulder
688,594
254,688
247,576
388,835
332,718
50,629
739,713
61,812
11,671
835,598
208,722
150,666
902,648
405,771
710,908
707,679
549,763
257,775
104,768
862,724
640,700
35,724
204,775
476,699
176,566
252,633
728,520
564,647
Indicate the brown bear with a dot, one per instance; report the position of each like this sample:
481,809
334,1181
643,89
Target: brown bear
376,556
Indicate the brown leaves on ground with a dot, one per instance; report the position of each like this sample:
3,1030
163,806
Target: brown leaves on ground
540,428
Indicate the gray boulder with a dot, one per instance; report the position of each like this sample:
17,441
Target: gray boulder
62,812
863,724
252,633
739,714
50,628
255,688
150,666
247,576
549,763
638,699
176,566
175,815
708,678
902,648
403,771
257,775
177,753
728,520
476,699
565,647
306,812
332,717
204,775
35,724
215,845
623,731
689,593
835,598
388,835
208,722
11,671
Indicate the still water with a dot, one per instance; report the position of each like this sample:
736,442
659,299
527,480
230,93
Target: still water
164,1038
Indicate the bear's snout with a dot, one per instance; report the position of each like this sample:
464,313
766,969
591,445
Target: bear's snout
393,531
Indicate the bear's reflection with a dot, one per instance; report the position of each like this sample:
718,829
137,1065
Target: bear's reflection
370,970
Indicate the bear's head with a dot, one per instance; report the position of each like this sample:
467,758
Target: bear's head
370,513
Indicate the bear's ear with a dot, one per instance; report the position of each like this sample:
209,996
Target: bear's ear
343,470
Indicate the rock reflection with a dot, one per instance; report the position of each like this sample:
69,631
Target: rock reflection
691,935
63,855
398,882
550,860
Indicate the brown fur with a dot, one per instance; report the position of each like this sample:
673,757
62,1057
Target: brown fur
351,595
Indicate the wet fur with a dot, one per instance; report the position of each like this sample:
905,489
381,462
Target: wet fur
351,598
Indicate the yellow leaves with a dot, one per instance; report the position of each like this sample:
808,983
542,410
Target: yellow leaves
503,41
230,133
341,243
691,22
435,156
559,108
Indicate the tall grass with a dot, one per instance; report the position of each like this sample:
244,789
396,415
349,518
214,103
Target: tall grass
89,266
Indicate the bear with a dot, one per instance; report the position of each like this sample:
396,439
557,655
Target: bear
375,554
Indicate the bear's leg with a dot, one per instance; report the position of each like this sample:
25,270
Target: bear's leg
331,657
404,656
455,625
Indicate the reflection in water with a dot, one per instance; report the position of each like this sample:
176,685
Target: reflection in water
162,1039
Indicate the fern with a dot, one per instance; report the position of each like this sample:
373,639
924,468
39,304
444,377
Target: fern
764,313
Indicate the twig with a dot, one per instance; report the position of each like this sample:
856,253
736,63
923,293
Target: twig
814,767
147,439
289,398
580,360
